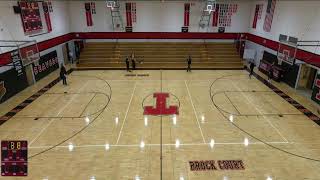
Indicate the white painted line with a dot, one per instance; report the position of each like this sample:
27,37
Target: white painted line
173,144
53,119
195,113
261,113
125,117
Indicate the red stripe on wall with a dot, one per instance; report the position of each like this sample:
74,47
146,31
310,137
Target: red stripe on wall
5,58
308,57
302,55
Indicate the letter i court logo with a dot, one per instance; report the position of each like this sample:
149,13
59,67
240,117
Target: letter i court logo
162,104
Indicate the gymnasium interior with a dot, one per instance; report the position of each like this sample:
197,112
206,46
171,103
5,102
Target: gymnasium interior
160,89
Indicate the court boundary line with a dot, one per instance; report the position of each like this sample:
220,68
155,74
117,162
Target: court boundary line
249,134
30,99
125,117
251,102
60,111
194,110
83,128
166,144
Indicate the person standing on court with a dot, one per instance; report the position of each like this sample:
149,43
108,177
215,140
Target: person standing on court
133,62
63,74
189,61
251,69
127,64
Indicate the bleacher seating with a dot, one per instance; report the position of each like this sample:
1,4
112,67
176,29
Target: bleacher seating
164,55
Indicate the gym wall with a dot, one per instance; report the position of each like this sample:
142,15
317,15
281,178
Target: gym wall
292,18
155,16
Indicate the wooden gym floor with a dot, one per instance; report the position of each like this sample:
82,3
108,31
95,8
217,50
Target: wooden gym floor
94,128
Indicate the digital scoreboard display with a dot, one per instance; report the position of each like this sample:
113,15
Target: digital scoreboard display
14,158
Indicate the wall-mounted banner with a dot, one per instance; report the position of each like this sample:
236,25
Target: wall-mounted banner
257,15
129,14
186,14
47,15
215,16
87,7
269,15
47,64
225,14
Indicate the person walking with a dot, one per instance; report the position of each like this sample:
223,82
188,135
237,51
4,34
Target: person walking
189,61
251,69
128,64
63,74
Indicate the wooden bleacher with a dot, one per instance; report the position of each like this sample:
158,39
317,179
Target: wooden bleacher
165,55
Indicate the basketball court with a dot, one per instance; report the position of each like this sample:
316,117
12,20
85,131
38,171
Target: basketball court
96,128
131,110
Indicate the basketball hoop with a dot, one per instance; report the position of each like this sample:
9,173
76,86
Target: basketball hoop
111,4
211,6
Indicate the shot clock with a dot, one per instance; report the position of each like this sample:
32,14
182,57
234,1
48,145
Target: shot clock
14,158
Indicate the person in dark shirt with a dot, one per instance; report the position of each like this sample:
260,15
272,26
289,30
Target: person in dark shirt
251,69
189,61
127,64
133,61
63,74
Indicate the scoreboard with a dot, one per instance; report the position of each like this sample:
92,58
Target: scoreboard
14,158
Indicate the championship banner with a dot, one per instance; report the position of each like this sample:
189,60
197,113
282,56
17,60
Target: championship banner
30,16
186,14
13,80
88,14
269,15
47,15
128,14
47,64
316,90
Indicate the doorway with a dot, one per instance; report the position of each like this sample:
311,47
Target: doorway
307,78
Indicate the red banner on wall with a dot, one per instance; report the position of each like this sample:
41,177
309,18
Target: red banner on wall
88,14
47,15
215,16
128,15
186,14
255,19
